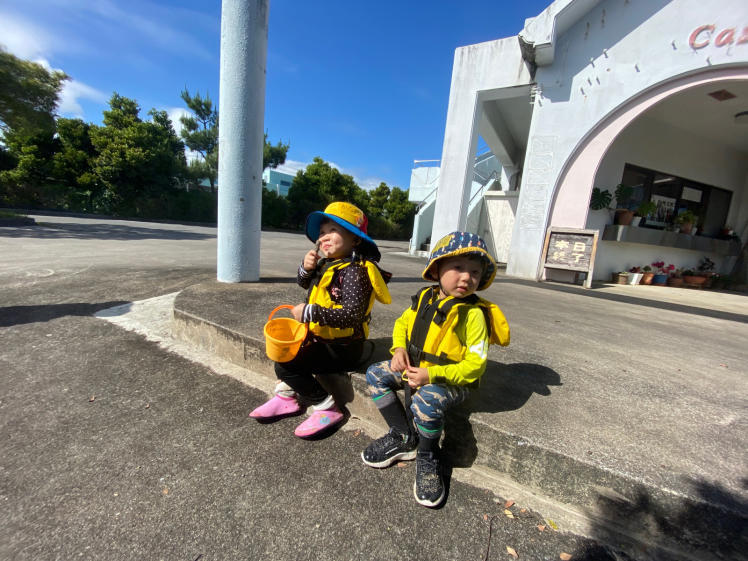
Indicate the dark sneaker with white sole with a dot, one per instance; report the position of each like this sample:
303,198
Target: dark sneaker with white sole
388,449
429,485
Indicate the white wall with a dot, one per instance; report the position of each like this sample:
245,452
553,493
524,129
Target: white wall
423,182
497,221
481,67
610,56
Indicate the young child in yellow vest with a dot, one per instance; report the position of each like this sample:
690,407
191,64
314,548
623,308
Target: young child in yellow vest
439,353
342,287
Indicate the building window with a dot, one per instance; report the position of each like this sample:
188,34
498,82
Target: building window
285,183
673,195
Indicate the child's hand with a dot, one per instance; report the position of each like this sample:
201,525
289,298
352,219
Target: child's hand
417,377
310,260
297,311
400,360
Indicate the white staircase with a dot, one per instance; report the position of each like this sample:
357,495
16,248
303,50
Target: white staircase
424,183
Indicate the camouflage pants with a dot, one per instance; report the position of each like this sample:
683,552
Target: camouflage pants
430,401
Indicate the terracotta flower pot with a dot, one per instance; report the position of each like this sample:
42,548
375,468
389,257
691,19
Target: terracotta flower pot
623,217
694,280
675,281
647,278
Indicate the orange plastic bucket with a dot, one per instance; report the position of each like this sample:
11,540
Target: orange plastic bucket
283,336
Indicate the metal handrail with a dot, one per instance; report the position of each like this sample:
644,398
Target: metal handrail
416,162
493,175
426,199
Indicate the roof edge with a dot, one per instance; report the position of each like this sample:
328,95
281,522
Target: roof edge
538,38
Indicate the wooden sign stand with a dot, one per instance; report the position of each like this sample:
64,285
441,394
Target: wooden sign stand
570,249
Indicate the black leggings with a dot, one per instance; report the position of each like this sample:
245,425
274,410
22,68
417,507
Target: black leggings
318,358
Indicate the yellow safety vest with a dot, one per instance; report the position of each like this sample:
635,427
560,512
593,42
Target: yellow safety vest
441,344
320,295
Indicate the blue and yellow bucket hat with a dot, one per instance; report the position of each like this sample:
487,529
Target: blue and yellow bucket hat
461,243
349,217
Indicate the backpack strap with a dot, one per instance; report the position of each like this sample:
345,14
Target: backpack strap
430,311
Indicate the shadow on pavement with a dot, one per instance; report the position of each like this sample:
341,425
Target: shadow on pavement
17,315
504,387
712,529
102,231
590,293
278,280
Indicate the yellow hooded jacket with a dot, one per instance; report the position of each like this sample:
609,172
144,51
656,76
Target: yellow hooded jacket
458,332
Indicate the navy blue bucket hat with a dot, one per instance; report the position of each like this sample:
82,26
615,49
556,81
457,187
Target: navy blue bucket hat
461,243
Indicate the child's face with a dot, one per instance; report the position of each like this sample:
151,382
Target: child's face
459,276
336,241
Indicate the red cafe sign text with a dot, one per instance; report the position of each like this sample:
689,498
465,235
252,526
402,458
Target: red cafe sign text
703,35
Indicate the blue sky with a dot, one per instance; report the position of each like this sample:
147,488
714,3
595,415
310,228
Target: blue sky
363,85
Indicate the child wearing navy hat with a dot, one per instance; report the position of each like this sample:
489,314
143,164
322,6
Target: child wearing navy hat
342,287
440,349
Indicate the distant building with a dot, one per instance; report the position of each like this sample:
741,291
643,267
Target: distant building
277,181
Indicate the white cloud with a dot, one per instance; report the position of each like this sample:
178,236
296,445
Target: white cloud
174,114
22,38
292,166
370,183
367,183
72,92
154,28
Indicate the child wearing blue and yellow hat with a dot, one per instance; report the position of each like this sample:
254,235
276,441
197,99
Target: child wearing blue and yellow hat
439,353
342,287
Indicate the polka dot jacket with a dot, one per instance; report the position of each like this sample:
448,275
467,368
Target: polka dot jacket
350,287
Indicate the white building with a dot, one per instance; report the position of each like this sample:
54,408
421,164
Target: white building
593,93
277,181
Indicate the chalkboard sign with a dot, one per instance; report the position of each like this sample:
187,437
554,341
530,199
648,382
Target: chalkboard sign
570,249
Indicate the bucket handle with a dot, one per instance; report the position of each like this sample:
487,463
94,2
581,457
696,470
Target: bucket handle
279,308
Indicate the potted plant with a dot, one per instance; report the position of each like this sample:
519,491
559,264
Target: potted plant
643,211
647,275
600,199
706,269
686,220
621,277
623,216
635,275
676,278
693,278
662,272
722,282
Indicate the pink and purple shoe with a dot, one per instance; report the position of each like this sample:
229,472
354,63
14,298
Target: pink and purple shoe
319,421
276,408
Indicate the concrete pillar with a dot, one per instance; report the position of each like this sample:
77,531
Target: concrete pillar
458,159
244,38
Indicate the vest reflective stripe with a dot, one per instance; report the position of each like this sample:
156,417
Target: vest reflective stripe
320,295
441,345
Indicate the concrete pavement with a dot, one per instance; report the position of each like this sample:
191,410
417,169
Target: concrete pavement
118,447
621,410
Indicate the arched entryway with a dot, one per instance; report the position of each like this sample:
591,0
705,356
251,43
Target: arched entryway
577,179
648,129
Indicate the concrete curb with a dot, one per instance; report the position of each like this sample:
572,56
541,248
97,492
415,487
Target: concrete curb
586,495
